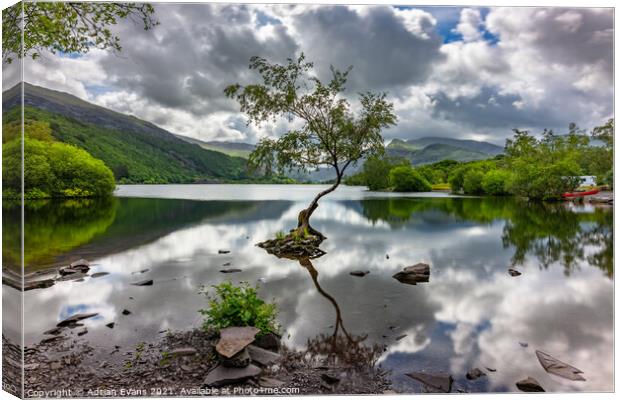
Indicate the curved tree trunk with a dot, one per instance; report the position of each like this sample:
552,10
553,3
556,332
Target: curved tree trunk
303,219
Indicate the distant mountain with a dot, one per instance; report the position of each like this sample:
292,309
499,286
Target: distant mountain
429,150
233,149
136,150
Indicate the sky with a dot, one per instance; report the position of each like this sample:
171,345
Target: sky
466,73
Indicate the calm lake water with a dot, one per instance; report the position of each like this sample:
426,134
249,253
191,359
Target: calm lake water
472,313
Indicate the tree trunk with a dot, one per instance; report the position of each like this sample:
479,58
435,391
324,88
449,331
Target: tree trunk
303,219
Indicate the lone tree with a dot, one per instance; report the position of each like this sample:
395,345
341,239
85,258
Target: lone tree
328,132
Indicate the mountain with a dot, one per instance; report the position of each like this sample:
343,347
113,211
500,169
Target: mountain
137,151
233,149
429,150
473,145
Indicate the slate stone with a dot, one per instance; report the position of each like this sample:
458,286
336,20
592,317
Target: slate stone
221,375
529,385
261,356
183,351
414,274
556,367
75,318
234,339
474,374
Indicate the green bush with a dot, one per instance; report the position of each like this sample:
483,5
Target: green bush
53,169
495,182
472,181
406,179
239,306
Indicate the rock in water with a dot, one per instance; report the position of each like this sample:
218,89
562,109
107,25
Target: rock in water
110,325
99,274
148,282
529,385
126,312
414,274
474,374
261,356
556,367
359,273
240,360
75,318
223,376
234,339
223,251
230,270
81,263
438,382
513,272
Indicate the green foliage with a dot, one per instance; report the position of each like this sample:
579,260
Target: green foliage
54,170
472,181
406,179
280,235
544,168
495,182
330,133
74,27
239,306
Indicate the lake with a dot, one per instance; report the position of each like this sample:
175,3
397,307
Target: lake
472,312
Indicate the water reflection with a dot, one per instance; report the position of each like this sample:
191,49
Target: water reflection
471,313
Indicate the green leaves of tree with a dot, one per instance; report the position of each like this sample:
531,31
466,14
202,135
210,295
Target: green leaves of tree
329,133
67,27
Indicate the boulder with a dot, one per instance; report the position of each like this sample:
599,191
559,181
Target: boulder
148,282
436,382
359,273
414,274
474,374
529,384
556,367
234,339
261,356
221,375
72,320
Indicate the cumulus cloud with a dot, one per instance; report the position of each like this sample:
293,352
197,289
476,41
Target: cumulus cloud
463,73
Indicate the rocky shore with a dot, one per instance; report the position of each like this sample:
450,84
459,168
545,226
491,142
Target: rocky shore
180,364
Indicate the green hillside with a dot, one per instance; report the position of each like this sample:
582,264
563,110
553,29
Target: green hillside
136,151
419,153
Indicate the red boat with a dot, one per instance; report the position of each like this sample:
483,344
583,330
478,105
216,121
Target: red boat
580,194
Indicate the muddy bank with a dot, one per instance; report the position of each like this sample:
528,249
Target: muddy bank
171,367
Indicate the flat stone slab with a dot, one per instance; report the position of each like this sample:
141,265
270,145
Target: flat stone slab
221,375
81,263
234,339
556,367
529,384
99,274
438,382
75,318
262,356
267,382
